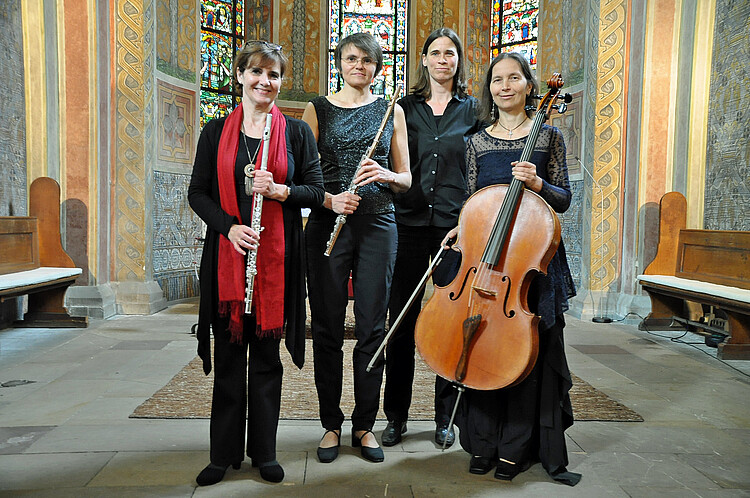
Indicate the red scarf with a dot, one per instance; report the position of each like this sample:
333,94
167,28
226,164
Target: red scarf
268,289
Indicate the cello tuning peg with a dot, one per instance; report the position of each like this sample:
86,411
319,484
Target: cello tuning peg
562,108
567,98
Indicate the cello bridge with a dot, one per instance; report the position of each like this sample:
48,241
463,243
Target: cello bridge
486,293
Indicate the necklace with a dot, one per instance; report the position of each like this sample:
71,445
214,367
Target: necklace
250,167
252,161
510,132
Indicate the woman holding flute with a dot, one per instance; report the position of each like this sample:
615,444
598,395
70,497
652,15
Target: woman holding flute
227,174
345,125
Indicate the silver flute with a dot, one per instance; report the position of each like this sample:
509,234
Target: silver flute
341,219
252,254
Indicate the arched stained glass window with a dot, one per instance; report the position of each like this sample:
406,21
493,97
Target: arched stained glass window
386,21
514,28
222,34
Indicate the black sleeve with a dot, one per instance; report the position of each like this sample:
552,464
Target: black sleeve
557,191
307,184
203,194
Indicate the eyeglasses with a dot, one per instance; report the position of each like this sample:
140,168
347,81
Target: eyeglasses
353,61
264,43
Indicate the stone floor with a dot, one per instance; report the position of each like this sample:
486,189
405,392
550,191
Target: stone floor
67,431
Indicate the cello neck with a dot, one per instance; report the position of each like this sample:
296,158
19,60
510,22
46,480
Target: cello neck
505,216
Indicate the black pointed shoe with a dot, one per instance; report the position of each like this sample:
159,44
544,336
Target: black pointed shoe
327,455
480,464
213,474
444,435
392,433
372,454
270,471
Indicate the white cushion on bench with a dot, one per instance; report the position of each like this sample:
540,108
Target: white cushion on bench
725,291
36,276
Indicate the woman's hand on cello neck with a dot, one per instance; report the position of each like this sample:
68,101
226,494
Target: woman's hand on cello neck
526,172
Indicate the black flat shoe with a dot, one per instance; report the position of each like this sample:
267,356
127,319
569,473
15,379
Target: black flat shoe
480,465
392,433
372,454
444,435
270,471
506,471
214,473
327,455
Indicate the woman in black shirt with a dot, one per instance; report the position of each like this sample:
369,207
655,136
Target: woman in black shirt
440,116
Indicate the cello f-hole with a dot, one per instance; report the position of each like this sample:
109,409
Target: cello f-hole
453,296
511,313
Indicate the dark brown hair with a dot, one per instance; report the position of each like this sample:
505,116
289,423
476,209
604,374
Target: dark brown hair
366,43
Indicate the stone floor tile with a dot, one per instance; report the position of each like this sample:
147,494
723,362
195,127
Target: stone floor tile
14,440
50,471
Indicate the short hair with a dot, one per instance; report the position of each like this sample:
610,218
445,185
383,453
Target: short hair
486,103
257,51
366,43
422,86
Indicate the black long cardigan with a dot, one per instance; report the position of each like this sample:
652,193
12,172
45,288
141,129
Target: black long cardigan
306,182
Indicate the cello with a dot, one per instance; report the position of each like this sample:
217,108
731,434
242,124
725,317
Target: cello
477,331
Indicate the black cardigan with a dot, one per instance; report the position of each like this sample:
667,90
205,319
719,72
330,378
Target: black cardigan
306,182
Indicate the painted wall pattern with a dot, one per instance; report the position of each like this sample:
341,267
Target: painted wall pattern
176,228
175,117
258,20
727,194
477,40
608,138
134,73
12,112
176,35
571,224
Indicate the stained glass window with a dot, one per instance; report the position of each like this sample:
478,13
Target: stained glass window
222,33
386,21
514,28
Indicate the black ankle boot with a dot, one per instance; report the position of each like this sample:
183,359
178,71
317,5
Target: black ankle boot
213,474
270,471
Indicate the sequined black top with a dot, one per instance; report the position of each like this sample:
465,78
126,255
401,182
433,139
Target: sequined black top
488,163
344,134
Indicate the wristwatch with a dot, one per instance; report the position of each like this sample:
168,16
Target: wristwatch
288,191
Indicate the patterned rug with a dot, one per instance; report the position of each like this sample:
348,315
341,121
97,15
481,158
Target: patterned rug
188,394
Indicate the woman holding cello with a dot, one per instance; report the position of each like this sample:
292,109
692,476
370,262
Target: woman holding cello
513,427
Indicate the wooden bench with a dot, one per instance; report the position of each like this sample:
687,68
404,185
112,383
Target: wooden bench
707,267
33,261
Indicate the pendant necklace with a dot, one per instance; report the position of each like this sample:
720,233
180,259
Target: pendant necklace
250,167
510,132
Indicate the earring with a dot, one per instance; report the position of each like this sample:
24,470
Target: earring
494,112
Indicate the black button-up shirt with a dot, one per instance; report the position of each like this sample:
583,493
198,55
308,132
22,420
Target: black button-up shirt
437,158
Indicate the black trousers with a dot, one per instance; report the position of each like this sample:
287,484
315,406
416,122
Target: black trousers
416,246
247,396
366,246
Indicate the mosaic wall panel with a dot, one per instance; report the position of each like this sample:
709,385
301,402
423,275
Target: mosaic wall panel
728,156
572,226
176,32
12,112
176,227
175,117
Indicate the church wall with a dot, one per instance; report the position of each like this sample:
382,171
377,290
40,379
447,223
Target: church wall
12,112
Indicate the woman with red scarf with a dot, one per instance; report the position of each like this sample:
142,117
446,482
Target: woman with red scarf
248,371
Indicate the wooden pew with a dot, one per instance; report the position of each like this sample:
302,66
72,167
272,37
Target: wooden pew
710,267
33,261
